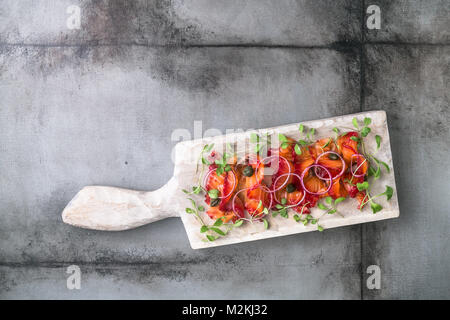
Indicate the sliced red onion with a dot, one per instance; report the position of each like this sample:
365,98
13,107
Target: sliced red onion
273,157
356,170
233,206
251,188
275,194
316,166
205,180
339,156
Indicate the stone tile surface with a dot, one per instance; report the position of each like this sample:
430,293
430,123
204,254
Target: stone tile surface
412,21
105,115
99,105
159,22
258,275
411,84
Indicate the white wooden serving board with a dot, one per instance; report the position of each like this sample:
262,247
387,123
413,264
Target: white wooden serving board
115,209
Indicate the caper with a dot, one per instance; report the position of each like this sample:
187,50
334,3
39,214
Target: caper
215,202
248,171
333,156
290,188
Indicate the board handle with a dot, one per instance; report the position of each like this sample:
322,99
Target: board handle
115,209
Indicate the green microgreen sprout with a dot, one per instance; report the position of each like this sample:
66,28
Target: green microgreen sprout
375,165
329,208
222,163
297,217
281,209
378,141
389,191
219,228
364,131
196,189
260,142
260,216
284,142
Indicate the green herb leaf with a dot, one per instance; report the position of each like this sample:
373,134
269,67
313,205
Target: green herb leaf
284,145
279,206
218,231
297,149
339,200
193,202
378,140
312,131
371,171
275,213
197,189
386,166
283,213
302,142
328,200
211,238
265,211
332,211
254,138
301,128
204,228
266,224
189,210
283,200
365,131
375,207
257,148
259,205
209,147
218,222
282,138
185,191
377,173
322,207
201,208
314,221
354,138
362,186
213,193
296,218
336,130
238,223
320,228
326,144
367,121
355,123
388,193
305,222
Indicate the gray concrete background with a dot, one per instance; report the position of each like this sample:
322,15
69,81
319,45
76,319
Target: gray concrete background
98,106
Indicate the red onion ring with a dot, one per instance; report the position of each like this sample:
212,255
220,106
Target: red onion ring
351,165
316,166
269,157
337,154
275,195
251,188
232,189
